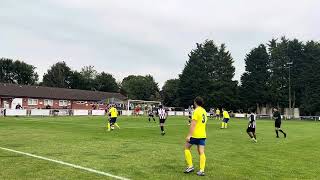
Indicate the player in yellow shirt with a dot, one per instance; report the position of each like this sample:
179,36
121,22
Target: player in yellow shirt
218,114
197,136
226,118
113,113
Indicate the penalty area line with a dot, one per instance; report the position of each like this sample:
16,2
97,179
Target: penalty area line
66,164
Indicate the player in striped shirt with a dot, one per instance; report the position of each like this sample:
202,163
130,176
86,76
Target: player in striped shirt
190,110
251,130
162,113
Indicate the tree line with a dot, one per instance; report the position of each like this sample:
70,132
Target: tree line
209,73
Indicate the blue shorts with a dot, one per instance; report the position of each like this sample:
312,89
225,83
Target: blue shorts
198,141
226,120
113,120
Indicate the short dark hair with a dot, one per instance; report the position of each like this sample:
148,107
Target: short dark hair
199,101
160,106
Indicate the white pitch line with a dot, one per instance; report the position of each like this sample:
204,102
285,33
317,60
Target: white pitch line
66,164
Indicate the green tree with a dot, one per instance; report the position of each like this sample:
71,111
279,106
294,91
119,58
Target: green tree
59,75
311,76
169,93
17,72
209,73
255,81
140,87
106,82
88,74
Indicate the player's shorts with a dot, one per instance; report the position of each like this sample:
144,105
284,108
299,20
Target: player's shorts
226,120
151,115
250,129
217,115
162,120
113,120
198,141
277,124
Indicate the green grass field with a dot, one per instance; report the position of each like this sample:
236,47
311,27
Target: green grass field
138,151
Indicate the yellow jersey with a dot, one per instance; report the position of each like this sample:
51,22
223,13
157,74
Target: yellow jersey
217,112
114,112
200,116
226,115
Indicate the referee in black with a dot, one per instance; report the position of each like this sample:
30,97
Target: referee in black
277,122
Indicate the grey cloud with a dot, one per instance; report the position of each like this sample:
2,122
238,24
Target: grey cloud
145,37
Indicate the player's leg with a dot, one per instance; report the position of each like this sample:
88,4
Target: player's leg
108,125
222,124
149,118
284,134
202,160
254,134
162,121
154,120
226,123
249,133
188,158
116,124
277,131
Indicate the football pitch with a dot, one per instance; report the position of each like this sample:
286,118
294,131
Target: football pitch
80,148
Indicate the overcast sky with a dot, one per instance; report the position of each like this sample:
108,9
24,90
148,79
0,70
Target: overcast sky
154,37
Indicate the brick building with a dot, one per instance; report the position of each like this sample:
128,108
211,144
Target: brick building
39,97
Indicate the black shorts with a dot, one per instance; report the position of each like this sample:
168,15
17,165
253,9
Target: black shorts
113,120
250,129
151,115
277,124
162,120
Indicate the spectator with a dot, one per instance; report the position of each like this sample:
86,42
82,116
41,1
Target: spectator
18,106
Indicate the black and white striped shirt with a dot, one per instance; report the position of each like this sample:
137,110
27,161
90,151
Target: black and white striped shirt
162,113
252,120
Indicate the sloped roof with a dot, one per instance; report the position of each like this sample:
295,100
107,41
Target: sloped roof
15,90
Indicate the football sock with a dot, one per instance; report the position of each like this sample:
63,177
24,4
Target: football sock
222,125
188,157
282,131
277,133
225,125
108,126
202,162
162,129
116,124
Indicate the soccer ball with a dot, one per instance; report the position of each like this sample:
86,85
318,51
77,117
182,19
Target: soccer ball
112,127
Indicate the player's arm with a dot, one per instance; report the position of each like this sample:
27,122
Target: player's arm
191,130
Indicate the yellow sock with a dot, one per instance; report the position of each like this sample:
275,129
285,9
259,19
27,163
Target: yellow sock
202,162
116,124
222,125
225,125
108,126
188,156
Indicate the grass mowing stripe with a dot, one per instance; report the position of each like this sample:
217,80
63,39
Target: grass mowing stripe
66,164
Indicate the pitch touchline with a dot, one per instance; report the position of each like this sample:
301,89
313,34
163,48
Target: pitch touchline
66,164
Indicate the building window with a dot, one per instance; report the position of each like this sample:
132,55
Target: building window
47,102
63,103
81,102
32,102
